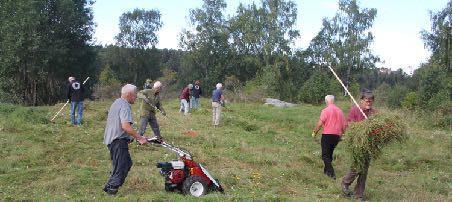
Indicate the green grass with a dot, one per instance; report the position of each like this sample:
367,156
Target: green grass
258,153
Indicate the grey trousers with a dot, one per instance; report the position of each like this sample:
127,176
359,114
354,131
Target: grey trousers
152,120
361,182
121,162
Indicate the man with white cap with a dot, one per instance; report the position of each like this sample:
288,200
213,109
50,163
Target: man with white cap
217,101
149,104
75,93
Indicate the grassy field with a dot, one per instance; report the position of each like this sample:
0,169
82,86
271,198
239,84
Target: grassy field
259,153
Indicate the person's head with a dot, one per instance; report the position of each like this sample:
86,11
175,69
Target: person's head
197,82
148,84
219,86
329,99
190,86
367,99
129,93
157,86
71,79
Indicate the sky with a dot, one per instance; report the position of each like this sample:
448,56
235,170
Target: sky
396,28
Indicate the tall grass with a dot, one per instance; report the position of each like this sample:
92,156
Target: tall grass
258,153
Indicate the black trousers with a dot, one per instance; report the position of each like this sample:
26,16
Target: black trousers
121,162
328,143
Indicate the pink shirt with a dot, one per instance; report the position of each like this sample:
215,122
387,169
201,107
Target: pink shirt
333,120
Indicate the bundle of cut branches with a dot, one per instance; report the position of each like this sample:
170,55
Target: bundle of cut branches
366,139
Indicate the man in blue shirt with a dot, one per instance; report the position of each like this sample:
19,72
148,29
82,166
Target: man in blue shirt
217,100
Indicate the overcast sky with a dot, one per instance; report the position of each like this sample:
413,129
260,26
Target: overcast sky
396,27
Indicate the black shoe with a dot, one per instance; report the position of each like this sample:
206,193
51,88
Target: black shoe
110,190
346,190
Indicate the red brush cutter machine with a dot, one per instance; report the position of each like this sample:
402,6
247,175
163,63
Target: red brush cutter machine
185,174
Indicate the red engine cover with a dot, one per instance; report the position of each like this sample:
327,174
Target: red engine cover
177,176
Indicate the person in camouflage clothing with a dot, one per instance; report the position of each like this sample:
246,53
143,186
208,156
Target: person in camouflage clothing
150,103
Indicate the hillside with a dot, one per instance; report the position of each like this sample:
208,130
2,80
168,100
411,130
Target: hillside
259,152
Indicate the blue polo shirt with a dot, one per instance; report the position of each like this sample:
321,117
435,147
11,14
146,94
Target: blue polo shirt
216,95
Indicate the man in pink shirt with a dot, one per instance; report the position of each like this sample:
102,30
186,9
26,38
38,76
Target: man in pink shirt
333,121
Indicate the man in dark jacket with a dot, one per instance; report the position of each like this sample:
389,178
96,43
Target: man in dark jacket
75,93
195,94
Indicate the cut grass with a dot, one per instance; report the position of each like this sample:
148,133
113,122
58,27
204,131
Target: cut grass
258,153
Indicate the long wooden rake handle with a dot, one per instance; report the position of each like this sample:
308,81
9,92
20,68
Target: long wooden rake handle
346,90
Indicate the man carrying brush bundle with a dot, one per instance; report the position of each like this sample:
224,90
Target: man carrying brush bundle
355,115
150,103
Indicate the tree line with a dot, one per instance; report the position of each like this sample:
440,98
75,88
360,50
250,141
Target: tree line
42,42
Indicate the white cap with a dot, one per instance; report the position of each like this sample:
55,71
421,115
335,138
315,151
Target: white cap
157,84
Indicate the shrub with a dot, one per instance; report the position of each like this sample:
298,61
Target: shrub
109,85
382,93
396,96
410,101
315,88
366,139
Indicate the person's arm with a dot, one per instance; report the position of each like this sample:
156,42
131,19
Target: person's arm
318,126
127,127
125,116
159,107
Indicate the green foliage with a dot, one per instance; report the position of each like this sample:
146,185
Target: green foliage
138,36
109,86
344,41
439,39
396,96
382,93
410,101
107,77
132,65
366,139
315,88
43,42
138,28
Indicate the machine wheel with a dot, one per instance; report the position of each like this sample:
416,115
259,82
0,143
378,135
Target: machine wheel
194,185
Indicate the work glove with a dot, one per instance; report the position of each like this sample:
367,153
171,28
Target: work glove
313,134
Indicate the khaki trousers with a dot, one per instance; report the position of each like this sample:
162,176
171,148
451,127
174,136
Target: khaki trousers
216,112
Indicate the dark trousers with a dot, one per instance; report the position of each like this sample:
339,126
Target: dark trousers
361,182
328,143
152,120
121,162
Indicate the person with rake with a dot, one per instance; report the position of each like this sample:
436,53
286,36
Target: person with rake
149,105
